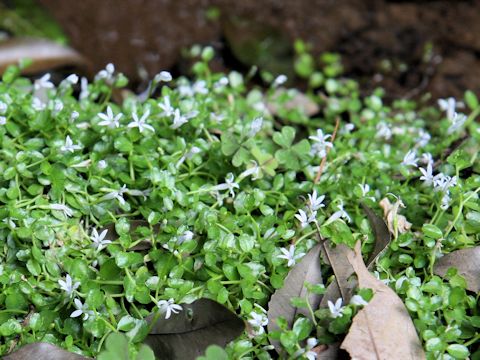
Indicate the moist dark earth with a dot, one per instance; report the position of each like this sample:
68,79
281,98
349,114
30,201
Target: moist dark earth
407,47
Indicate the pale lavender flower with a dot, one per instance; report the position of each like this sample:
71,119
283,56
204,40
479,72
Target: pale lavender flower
253,170
306,219
336,310
255,126
383,131
315,202
410,158
186,236
229,185
258,321
99,241
109,119
168,307
457,122
81,309
43,83
68,285
164,76
427,174
141,123
69,146
179,119
116,194
289,255
102,164
63,208
279,80
166,106
321,144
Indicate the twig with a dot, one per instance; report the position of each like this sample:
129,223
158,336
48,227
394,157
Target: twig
324,159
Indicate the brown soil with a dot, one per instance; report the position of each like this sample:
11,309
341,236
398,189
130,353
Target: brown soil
408,47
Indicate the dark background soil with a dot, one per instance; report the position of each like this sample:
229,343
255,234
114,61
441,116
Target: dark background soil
407,47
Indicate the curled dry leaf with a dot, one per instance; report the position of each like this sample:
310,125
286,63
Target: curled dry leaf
307,270
396,223
382,329
43,351
45,54
187,334
466,261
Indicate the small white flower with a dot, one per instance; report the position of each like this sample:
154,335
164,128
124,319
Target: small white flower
343,213
102,164
290,256
410,158
164,76
365,189
61,207
217,118
38,104
229,185
347,129
43,83
383,131
255,126
9,221
140,123
427,158
222,82
358,300
99,241
74,116
449,105
321,144
72,79
69,146
457,122
309,354
186,236
68,286
109,119
3,108
84,92
168,307
82,164
306,219
190,153
315,202
168,109
200,87
3,120
279,80
423,138
253,170
179,119
443,182
117,194
258,321
427,176
445,201
336,309
107,74
57,106
81,309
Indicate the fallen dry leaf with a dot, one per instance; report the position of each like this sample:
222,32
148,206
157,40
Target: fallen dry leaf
381,232
382,329
307,270
466,261
43,351
45,55
336,257
392,217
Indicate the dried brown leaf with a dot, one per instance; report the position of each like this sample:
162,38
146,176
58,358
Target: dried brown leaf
336,257
391,215
186,335
381,232
383,329
45,54
307,270
466,261
43,351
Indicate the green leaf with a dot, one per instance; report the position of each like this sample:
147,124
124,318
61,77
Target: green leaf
432,231
285,137
458,351
471,100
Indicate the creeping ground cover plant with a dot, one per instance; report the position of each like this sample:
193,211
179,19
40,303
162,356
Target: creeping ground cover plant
210,203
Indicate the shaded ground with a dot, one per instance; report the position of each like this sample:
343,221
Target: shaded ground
408,47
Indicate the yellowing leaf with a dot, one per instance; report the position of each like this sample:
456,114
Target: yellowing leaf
383,329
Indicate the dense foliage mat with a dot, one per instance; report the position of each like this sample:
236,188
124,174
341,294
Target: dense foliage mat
117,213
